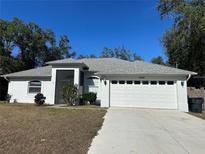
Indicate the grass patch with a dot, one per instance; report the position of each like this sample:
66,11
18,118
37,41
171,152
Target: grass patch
26,128
3,102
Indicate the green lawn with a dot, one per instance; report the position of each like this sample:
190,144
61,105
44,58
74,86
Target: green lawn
26,128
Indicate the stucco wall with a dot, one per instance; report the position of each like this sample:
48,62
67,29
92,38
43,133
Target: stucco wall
104,93
182,95
18,89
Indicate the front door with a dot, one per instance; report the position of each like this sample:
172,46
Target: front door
63,77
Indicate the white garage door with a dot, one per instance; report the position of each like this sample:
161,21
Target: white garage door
148,94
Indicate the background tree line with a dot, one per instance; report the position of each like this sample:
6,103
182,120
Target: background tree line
32,44
119,52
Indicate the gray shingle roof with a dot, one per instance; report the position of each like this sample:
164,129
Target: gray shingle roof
106,66
63,61
122,67
36,72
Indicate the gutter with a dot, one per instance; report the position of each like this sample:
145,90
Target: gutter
6,78
189,76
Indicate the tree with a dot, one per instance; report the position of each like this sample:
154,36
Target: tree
86,56
120,52
158,60
107,53
6,35
185,41
137,57
8,63
35,45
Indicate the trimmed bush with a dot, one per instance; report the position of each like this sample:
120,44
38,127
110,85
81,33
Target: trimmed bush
90,97
39,99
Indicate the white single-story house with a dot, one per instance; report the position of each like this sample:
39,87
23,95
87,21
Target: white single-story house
117,83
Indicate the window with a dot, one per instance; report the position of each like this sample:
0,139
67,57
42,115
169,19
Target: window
93,77
153,82
93,81
114,82
34,86
129,82
161,82
137,82
145,82
121,82
170,82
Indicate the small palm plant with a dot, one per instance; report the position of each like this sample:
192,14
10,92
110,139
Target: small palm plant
70,94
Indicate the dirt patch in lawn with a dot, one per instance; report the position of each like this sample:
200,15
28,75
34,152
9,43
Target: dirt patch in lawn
31,129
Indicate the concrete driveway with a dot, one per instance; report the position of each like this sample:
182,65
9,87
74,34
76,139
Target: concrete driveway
149,131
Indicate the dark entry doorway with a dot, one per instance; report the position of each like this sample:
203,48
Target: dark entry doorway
63,77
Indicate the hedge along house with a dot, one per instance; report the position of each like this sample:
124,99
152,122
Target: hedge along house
117,83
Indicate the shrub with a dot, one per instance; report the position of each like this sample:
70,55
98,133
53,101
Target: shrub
39,99
8,98
90,96
70,94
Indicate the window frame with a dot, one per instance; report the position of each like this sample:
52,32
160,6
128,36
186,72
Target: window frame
93,78
34,86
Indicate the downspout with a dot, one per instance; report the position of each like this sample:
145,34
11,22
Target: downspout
189,76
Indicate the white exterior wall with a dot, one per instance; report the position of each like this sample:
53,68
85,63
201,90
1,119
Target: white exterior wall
53,80
18,89
104,93
182,96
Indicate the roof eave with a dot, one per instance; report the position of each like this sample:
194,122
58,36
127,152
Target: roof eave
98,73
7,76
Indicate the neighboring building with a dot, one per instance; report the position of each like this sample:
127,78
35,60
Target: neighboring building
117,83
3,87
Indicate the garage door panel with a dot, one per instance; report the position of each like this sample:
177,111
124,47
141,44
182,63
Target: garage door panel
153,96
